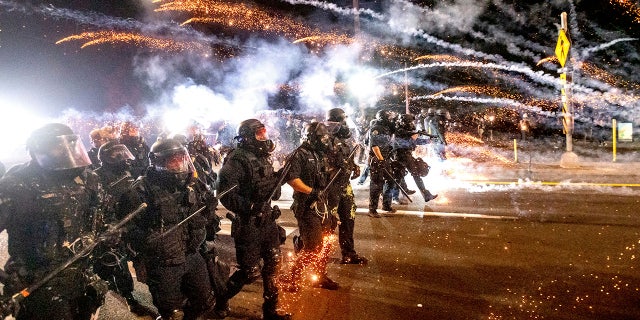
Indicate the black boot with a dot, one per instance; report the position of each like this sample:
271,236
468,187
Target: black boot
272,314
221,309
428,196
138,309
269,311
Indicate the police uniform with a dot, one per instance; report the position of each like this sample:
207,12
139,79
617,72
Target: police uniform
256,237
404,146
111,264
167,243
308,167
380,135
340,198
248,173
45,215
140,150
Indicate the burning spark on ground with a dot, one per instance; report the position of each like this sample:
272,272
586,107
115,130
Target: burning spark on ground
306,268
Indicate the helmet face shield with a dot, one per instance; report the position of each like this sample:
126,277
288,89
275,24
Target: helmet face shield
333,127
116,154
261,134
61,153
175,161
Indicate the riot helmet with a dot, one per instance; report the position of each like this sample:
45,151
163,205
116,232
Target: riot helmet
337,122
56,147
252,135
115,155
171,159
181,138
406,122
430,112
336,115
316,134
385,117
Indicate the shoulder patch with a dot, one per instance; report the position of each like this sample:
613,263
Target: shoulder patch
375,132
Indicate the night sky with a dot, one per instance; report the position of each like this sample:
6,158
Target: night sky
263,69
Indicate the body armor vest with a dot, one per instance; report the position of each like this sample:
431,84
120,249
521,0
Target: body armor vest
339,158
261,176
48,215
114,186
168,207
380,136
313,170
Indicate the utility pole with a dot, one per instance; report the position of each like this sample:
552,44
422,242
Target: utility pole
356,19
356,34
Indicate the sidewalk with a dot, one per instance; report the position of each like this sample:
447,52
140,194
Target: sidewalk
542,159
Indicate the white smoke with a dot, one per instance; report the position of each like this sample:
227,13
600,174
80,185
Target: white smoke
457,17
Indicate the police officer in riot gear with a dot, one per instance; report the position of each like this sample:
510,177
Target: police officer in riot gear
405,141
168,236
130,137
341,199
111,264
438,126
308,176
380,148
203,159
47,207
248,169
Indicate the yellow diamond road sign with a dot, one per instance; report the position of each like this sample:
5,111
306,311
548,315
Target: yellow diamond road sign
562,48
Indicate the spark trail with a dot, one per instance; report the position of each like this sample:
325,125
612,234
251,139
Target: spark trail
113,37
494,91
107,22
537,76
251,18
493,101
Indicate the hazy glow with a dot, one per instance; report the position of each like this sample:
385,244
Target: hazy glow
17,122
364,86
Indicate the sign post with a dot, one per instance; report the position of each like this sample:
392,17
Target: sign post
569,159
562,53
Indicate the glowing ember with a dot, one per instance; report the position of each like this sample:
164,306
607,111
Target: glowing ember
114,37
547,59
630,7
251,18
306,268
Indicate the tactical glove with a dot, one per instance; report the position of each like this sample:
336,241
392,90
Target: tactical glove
316,195
261,212
356,172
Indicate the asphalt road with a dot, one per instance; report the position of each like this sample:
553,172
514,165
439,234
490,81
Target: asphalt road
496,244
